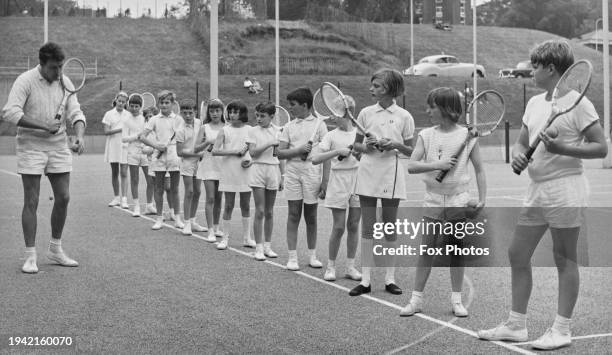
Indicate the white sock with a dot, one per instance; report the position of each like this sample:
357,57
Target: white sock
390,275
224,226
312,253
331,263
136,203
267,245
417,297
562,324
292,254
365,276
455,297
259,248
55,245
245,228
518,319
216,227
350,263
30,252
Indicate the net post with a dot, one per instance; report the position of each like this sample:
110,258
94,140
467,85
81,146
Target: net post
524,96
269,91
120,85
507,140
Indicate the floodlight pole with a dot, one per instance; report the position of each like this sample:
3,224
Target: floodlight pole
214,49
46,22
474,49
411,33
607,162
277,53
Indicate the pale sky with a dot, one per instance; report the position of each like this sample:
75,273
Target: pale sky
137,7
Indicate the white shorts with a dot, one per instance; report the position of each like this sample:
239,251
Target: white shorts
189,167
302,182
340,189
165,164
34,162
558,203
445,207
265,176
137,159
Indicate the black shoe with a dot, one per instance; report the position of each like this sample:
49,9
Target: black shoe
360,290
393,289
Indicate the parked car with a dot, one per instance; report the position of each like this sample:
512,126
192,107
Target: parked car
444,65
523,70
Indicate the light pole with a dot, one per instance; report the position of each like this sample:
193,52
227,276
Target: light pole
596,29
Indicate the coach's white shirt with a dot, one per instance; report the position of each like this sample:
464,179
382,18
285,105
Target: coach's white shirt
34,97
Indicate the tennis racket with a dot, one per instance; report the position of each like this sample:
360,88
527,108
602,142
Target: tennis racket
148,100
281,118
160,153
176,108
72,79
483,115
572,85
338,105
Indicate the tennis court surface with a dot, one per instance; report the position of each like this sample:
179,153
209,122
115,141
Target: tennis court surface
143,291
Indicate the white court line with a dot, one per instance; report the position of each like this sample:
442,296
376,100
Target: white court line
371,298
591,336
9,172
518,188
471,293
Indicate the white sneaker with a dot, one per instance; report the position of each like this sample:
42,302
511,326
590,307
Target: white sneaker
115,202
219,233
159,222
150,209
249,243
187,229
551,340
198,228
259,253
315,263
292,264
178,223
459,310
136,212
211,238
353,274
29,267
222,244
62,259
270,253
124,203
504,331
330,274
411,308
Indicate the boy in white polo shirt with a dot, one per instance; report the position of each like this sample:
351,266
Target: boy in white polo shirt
132,127
556,196
164,127
185,146
302,179
265,177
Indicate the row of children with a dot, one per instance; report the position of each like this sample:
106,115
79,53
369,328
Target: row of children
352,187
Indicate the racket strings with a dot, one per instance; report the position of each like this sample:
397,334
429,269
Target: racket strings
74,70
281,117
333,100
319,106
576,79
486,112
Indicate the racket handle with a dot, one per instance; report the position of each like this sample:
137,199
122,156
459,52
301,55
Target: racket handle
442,174
341,157
275,150
528,155
305,155
210,148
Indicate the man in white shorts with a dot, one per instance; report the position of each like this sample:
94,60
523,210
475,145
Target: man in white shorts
42,147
